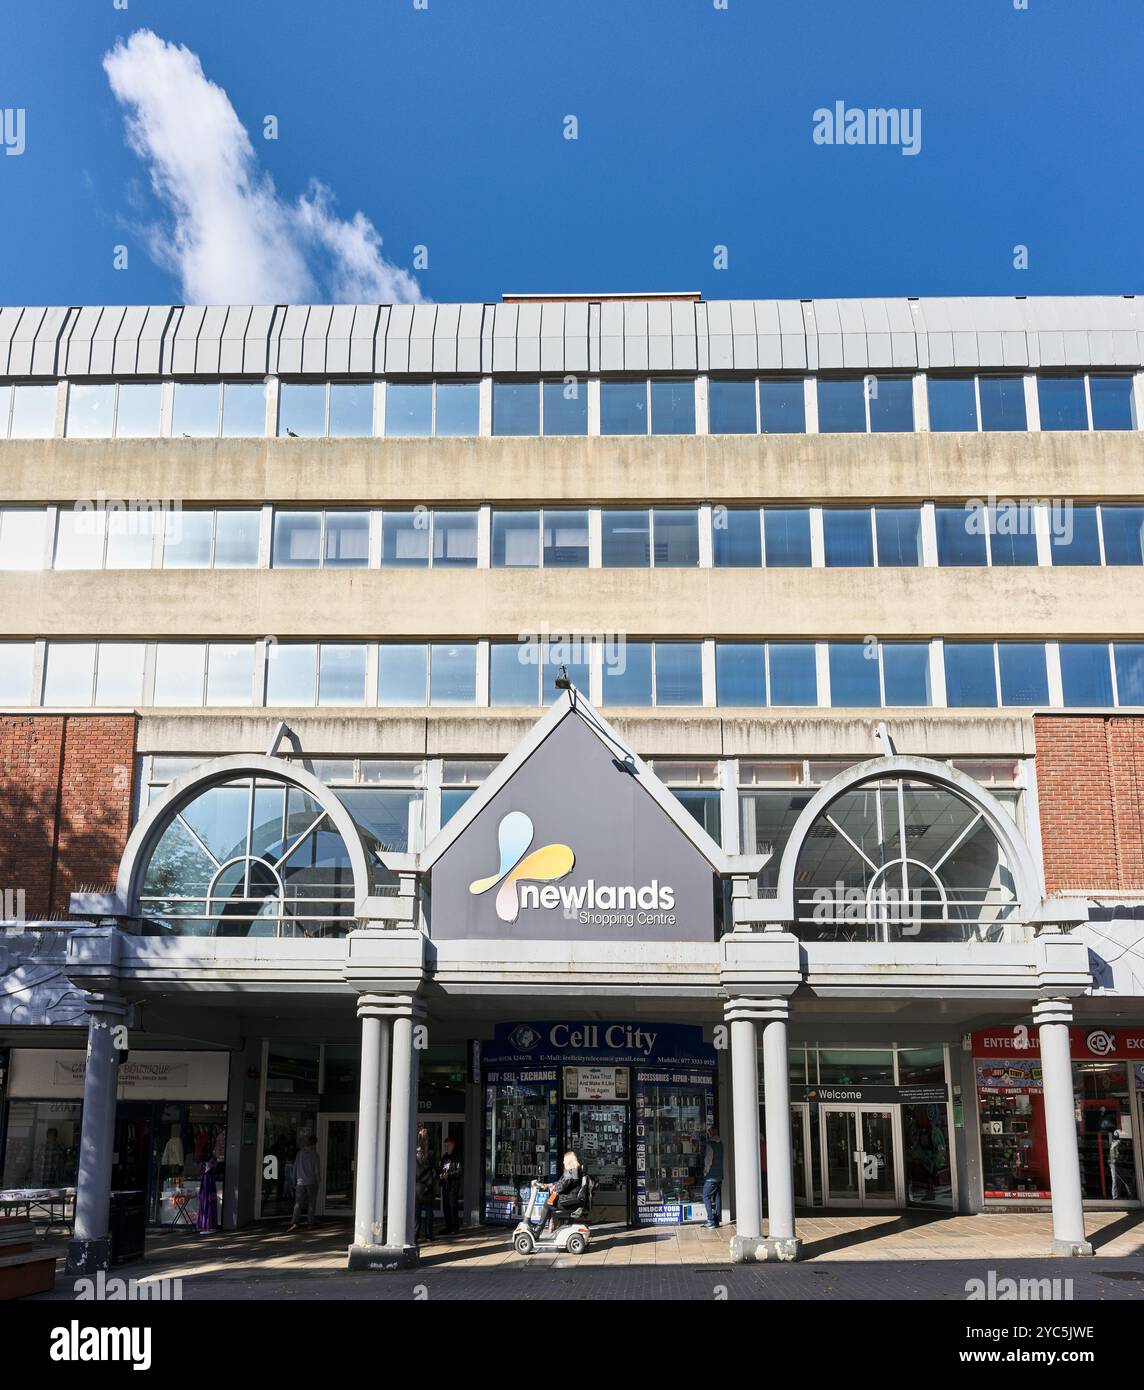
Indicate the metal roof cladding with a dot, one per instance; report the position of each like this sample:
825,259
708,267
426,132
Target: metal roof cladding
533,334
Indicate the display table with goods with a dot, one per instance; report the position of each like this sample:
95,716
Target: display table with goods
53,1205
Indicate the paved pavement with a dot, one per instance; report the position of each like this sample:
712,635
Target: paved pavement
845,1256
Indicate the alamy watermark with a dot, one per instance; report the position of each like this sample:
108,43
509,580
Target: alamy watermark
875,125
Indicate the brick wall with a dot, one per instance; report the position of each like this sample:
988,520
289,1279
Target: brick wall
1090,784
66,786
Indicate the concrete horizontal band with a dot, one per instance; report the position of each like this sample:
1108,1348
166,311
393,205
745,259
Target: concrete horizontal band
770,1010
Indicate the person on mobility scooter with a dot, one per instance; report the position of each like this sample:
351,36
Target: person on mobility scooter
554,1214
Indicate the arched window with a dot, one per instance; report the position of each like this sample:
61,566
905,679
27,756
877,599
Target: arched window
899,858
250,856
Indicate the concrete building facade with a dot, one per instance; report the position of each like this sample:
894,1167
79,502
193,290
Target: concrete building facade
844,598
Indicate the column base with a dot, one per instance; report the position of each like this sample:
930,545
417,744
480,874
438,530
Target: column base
745,1249
88,1256
383,1257
1070,1249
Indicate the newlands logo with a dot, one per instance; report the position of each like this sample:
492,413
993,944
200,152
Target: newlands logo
514,835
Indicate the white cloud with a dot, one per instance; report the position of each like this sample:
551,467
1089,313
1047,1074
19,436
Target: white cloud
231,238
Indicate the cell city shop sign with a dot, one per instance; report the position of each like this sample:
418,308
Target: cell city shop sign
1084,1043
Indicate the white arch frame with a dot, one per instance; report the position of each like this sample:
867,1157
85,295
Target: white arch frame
152,824
1026,879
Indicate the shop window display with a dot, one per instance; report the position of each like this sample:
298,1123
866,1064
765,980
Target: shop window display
673,1113
1014,1150
520,1137
42,1147
1104,1131
189,1145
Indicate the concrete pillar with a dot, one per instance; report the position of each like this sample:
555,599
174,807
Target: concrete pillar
369,1250
90,1247
402,1135
745,1116
781,1240
1053,1017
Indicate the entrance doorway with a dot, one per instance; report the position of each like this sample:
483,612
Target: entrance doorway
800,1153
597,1131
436,1129
337,1147
861,1156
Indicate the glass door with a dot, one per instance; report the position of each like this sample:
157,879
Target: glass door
337,1149
432,1131
861,1158
800,1152
597,1131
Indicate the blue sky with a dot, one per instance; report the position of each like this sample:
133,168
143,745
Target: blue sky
444,128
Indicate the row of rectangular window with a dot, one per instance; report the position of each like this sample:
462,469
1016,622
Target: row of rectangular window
736,675
561,537
534,407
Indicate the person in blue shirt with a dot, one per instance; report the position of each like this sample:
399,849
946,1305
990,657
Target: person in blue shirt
713,1179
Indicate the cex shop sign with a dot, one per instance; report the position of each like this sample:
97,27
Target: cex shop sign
1084,1043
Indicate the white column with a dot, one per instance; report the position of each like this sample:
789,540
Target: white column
369,1172
402,1134
1052,1017
745,1117
776,1096
90,1247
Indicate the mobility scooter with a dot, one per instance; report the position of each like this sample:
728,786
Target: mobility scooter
571,1233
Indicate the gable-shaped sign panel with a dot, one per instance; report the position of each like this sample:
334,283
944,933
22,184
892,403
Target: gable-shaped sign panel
573,848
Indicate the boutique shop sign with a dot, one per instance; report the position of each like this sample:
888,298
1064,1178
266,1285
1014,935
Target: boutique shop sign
573,846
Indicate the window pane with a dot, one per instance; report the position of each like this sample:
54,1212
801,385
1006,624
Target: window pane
341,674
516,540
297,540
187,543
409,409
243,409
236,539
16,659
891,404
351,409
673,407
79,539
179,668
138,413
1129,658
90,410
514,676
402,674
1013,534
1073,538
516,407
565,407
195,410
961,535
731,407
1113,405
899,536
405,539
565,539
969,674
1063,406
736,537
623,407
1123,535
952,403
854,675
1086,675
676,531
33,412
291,673
786,533
627,674
119,680
302,409
1024,678
347,540
573,654
793,674
23,538
455,539
782,405
1002,402
626,539
68,673
678,673
452,673
848,538
458,408
841,405
906,673
131,539
740,674
229,668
